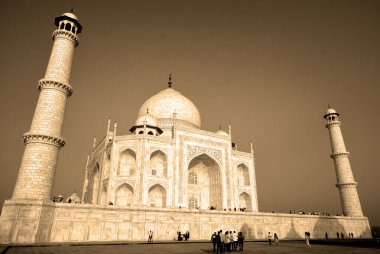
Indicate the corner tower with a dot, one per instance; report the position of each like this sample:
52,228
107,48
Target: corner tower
346,184
42,143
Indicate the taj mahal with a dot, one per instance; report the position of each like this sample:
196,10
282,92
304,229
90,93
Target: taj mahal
167,175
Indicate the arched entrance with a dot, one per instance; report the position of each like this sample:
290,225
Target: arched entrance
245,202
204,182
127,163
157,196
158,164
243,175
124,195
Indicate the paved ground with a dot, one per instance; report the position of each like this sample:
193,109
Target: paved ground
189,247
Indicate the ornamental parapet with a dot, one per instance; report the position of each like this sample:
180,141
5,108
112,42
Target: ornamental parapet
67,35
335,155
346,185
333,123
43,138
51,84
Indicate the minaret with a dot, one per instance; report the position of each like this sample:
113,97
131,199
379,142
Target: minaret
42,143
346,184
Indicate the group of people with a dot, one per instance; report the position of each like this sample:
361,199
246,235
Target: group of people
181,236
275,237
310,213
228,241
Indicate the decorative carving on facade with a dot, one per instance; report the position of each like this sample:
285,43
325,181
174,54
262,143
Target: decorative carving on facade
193,151
42,138
66,34
44,83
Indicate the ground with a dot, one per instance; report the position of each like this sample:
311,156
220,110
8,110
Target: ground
294,247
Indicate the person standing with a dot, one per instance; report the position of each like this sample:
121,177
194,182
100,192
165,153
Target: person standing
150,237
275,239
218,243
222,241
307,237
227,242
241,241
214,241
269,238
235,241
326,236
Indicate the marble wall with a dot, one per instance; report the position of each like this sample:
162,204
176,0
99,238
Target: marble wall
32,222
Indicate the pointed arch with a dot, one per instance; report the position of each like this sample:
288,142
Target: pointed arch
208,185
157,196
243,175
158,163
245,201
124,195
127,163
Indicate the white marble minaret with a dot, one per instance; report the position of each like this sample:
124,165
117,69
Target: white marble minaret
42,143
346,184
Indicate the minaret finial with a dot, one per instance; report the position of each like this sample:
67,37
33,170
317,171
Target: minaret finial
72,10
170,80
147,111
220,127
329,105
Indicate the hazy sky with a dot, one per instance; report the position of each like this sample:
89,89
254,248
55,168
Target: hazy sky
267,67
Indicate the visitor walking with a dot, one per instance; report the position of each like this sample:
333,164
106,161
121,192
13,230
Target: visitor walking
218,243
269,238
275,239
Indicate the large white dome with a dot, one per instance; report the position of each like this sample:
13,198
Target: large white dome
163,105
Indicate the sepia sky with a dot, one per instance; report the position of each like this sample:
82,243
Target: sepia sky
267,67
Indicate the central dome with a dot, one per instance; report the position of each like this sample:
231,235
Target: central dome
167,102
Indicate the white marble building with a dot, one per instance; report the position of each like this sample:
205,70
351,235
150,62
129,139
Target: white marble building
164,177
168,161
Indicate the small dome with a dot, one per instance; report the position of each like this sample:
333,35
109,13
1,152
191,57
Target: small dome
73,198
222,132
330,111
149,119
167,102
70,15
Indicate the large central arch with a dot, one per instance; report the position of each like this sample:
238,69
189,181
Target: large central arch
204,183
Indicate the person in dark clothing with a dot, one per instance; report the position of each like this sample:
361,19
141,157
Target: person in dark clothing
241,241
214,241
219,246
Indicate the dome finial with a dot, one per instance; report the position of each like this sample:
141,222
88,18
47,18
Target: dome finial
72,10
329,105
170,80
220,127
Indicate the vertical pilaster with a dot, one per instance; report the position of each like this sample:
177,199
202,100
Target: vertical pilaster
345,180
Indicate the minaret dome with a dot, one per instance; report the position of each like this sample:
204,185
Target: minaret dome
69,22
